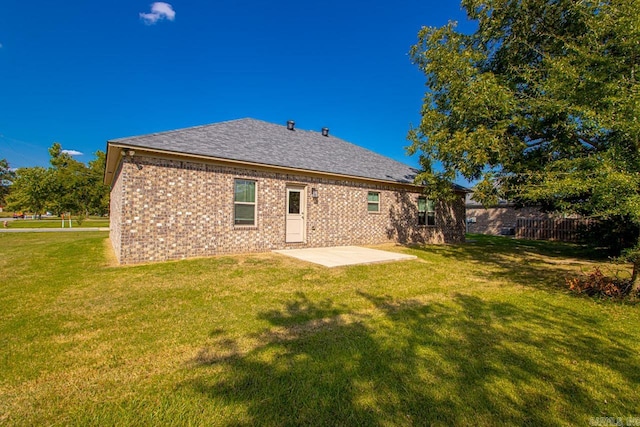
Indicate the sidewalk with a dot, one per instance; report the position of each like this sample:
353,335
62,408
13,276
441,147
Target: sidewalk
51,230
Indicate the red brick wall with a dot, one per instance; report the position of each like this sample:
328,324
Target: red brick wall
172,209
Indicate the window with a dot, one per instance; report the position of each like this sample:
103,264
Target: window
426,211
244,202
294,201
373,201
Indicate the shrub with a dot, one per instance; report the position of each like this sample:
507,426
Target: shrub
615,235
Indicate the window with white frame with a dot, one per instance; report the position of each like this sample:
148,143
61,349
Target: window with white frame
373,201
244,202
426,212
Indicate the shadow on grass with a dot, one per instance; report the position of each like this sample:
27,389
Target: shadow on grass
531,263
552,249
461,362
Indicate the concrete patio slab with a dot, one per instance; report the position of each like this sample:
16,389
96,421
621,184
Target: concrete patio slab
338,256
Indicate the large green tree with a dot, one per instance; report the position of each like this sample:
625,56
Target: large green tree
97,194
76,187
70,185
6,177
98,197
541,105
30,190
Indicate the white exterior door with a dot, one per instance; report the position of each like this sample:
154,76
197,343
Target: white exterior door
295,222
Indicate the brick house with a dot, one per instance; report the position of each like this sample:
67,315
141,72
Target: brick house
498,220
528,222
250,186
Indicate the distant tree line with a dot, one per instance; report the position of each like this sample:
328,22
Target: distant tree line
67,186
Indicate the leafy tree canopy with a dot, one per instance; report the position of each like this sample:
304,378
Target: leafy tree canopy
67,186
543,99
540,105
7,175
30,190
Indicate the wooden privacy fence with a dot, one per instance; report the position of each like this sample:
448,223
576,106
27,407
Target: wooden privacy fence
563,229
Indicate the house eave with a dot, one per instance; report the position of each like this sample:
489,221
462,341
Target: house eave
115,154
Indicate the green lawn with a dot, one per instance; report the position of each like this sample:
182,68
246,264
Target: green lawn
57,223
477,334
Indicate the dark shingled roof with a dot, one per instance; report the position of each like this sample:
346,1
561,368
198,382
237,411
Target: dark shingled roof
255,141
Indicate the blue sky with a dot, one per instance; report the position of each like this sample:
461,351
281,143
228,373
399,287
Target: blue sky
81,72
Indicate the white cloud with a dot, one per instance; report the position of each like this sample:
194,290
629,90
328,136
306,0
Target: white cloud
159,11
72,152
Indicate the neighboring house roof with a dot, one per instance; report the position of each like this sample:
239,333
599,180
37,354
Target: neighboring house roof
255,141
470,202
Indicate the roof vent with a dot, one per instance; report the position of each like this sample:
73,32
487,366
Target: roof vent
325,131
291,124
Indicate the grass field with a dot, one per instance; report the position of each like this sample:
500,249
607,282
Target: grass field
477,334
57,223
